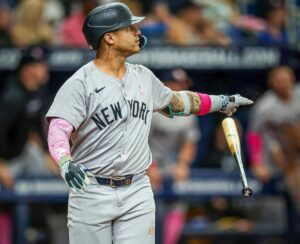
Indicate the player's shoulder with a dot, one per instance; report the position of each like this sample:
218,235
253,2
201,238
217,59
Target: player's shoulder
80,76
266,102
138,68
297,88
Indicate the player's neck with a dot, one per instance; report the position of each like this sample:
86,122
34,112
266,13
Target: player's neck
111,66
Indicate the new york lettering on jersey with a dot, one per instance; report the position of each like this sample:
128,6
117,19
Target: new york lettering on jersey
113,112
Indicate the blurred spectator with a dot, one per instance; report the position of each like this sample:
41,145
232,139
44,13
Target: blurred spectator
229,19
54,15
173,147
276,107
187,27
206,32
30,27
22,106
5,24
71,31
274,12
262,7
273,136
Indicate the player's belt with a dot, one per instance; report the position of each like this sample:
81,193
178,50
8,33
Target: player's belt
115,181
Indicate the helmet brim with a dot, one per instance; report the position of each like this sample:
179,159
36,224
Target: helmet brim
136,19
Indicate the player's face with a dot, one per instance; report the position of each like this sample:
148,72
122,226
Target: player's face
127,40
282,83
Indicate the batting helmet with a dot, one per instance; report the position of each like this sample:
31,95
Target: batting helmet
108,17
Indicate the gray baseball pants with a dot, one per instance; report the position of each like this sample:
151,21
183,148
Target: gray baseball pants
105,215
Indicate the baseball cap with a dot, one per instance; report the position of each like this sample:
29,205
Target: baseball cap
266,6
32,55
187,4
174,75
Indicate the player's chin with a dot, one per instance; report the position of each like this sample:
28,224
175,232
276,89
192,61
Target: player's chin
136,49
133,50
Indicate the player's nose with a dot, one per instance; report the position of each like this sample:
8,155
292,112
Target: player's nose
137,31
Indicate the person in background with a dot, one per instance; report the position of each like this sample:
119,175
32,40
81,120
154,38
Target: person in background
273,138
274,12
71,34
277,107
173,144
54,15
188,26
218,155
30,27
22,106
5,24
22,143
205,29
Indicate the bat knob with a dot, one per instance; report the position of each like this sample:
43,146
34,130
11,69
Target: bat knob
247,192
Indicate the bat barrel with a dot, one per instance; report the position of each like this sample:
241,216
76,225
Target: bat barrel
233,141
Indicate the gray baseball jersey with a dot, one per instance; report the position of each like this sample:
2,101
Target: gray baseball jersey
112,117
166,137
271,112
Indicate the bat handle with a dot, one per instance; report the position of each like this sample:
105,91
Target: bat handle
247,191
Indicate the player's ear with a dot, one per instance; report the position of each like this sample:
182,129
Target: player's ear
108,38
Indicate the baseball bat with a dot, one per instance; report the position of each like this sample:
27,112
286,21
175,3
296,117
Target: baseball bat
233,141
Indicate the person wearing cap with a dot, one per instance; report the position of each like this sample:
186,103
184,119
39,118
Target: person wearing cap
22,105
275,15
173,145
22,142
106,108
70,33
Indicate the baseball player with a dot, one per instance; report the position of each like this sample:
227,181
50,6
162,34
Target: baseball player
105,110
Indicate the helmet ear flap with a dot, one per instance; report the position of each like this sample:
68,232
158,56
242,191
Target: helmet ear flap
143,41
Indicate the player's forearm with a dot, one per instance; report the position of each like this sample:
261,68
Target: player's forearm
187,153
58,139
185,103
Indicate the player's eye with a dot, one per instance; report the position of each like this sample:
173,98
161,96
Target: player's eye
132,28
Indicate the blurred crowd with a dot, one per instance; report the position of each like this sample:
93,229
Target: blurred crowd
269,130
180,22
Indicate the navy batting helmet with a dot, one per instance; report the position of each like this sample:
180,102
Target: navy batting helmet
108,17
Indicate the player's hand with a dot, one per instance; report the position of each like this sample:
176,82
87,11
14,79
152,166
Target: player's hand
233,102
180,172
155,176
74,175
6,177
228,104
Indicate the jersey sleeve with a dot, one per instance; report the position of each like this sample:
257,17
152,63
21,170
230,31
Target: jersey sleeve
161,94
70,103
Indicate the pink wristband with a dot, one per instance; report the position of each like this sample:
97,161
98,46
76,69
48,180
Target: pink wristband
205,103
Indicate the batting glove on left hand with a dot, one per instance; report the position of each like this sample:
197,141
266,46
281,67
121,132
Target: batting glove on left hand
74,176
228,104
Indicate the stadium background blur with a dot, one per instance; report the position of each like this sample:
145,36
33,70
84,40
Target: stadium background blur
225,47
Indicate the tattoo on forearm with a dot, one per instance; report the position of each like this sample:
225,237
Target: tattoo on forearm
195,102
178,105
